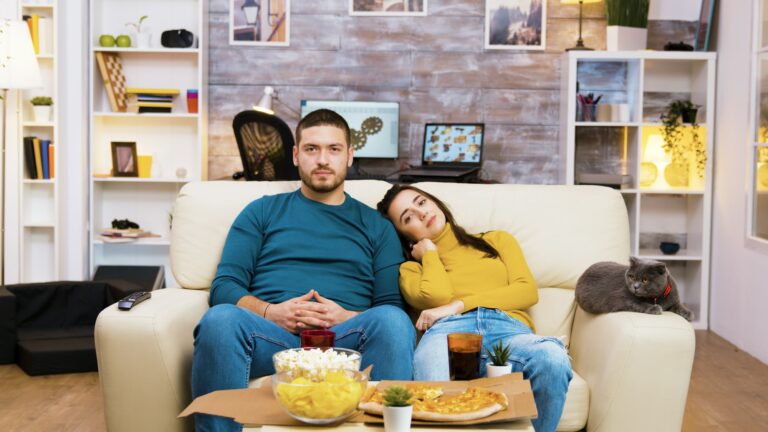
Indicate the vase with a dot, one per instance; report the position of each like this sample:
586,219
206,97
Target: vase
144,40
496,371
620,38
397,419
42,113
689,116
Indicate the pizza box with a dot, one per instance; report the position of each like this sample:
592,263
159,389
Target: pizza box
258,406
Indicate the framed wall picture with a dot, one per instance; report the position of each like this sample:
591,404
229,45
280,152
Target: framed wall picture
515,24
124,159
260,22
388,7
704,27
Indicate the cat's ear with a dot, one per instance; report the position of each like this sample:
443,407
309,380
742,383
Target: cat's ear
660,267
633,261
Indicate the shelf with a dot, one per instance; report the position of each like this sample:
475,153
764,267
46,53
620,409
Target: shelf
40,182
45,56
139,180
647,54
671,191
681,255
146,115
607,124
40,225
149,50
37,6
37,124
153,241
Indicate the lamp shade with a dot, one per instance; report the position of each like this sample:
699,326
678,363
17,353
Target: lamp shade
265,103
18,65
579,1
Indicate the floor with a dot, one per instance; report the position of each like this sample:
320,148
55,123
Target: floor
729,392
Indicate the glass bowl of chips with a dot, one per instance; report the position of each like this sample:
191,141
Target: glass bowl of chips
315,363
325,400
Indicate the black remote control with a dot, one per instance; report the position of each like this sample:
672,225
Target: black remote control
132,300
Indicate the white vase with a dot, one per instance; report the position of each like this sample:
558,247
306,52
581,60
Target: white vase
620,38
42,113
397,419
144,40
494,371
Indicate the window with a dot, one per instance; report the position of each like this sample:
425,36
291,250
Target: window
758,190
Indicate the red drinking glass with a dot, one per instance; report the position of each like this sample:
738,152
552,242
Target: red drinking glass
317,338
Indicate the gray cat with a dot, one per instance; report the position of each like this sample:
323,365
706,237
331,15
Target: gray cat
643,286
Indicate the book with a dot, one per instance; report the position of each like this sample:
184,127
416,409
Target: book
38,159
145,109
51,165
29,157
45,35
152,91
44,144
36,32
135,98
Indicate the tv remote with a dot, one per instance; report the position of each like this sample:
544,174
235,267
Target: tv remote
132,300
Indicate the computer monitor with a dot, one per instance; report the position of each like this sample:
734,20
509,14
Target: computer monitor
374,125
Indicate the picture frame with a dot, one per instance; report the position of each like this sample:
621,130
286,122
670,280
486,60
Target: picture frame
502,15
256,23
388,7
125,160
704,25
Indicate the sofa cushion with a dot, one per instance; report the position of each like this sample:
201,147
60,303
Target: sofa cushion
576,408
39,333
52,356
553,314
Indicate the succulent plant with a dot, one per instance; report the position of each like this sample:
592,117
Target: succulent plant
397,396
499,354
41,100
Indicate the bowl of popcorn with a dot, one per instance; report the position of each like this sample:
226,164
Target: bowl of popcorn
315,363
320,400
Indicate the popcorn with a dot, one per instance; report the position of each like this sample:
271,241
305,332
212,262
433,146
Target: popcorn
315,363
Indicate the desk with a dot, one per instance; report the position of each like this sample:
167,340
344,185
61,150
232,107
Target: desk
518,426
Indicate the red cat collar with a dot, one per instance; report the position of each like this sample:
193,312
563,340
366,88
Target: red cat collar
667,290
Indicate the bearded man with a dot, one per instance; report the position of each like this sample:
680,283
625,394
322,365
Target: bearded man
312,258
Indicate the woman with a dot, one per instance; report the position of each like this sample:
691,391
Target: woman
472,283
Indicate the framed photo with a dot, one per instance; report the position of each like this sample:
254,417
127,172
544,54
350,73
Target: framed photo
124,159
515,24
704,25
260,22
388,7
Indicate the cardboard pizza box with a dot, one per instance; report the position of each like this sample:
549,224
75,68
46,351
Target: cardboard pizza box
258,406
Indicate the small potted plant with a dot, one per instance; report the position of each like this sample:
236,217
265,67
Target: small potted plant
678,113
397,409
627,24
142,37
41,106
499,365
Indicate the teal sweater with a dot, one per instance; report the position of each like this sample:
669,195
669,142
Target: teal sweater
281,246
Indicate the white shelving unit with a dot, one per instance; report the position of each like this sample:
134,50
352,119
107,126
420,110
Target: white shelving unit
39,243
177,141
661,207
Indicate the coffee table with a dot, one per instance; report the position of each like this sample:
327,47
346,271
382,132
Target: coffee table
517,426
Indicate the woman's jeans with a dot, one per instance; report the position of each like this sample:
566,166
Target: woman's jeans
233,345
541,359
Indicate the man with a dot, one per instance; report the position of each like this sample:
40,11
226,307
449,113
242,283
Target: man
312,258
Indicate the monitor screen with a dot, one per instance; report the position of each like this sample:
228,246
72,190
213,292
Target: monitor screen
374,125
456,143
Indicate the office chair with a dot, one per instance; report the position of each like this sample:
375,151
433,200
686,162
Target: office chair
266,145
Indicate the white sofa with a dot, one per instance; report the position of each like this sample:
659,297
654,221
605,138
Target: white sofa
631,370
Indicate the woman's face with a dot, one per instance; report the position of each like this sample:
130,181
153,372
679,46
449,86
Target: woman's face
415,216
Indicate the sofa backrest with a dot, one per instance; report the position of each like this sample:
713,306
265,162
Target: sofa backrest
562,230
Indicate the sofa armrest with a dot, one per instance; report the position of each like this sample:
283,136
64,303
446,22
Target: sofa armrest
145,360
638,368
7,326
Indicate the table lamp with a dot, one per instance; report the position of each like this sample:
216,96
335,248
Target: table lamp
268,99
18,70
580,42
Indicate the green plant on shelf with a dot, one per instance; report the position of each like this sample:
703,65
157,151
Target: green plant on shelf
137,25
397,396
677,113
41,101
627,13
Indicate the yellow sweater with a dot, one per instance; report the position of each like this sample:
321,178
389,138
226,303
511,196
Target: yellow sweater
456,272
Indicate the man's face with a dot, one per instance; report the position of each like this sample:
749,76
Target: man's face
322,156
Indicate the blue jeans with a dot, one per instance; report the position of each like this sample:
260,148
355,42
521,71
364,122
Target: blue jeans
233,345
541,359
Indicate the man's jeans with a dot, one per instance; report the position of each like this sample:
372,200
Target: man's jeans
233,345
541,359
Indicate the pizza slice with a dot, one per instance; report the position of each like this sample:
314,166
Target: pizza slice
430,404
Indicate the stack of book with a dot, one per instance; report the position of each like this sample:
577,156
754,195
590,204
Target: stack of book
38,155
150,100
114,235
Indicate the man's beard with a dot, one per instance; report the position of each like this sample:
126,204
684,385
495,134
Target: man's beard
322,187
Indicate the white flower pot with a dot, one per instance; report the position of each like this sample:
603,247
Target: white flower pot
42,113
144,40
397,419
496,371
620,38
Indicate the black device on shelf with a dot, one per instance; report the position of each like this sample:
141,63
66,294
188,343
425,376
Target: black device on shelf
180,38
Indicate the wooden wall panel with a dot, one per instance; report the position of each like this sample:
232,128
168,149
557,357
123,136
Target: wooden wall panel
434,66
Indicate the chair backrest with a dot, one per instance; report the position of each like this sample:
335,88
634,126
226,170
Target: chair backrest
265,143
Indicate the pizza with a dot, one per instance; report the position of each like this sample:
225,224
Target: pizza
431,404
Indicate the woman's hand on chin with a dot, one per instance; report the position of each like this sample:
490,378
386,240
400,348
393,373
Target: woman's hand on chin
419,249
429,316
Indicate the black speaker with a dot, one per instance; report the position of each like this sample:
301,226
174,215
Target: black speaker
177,38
